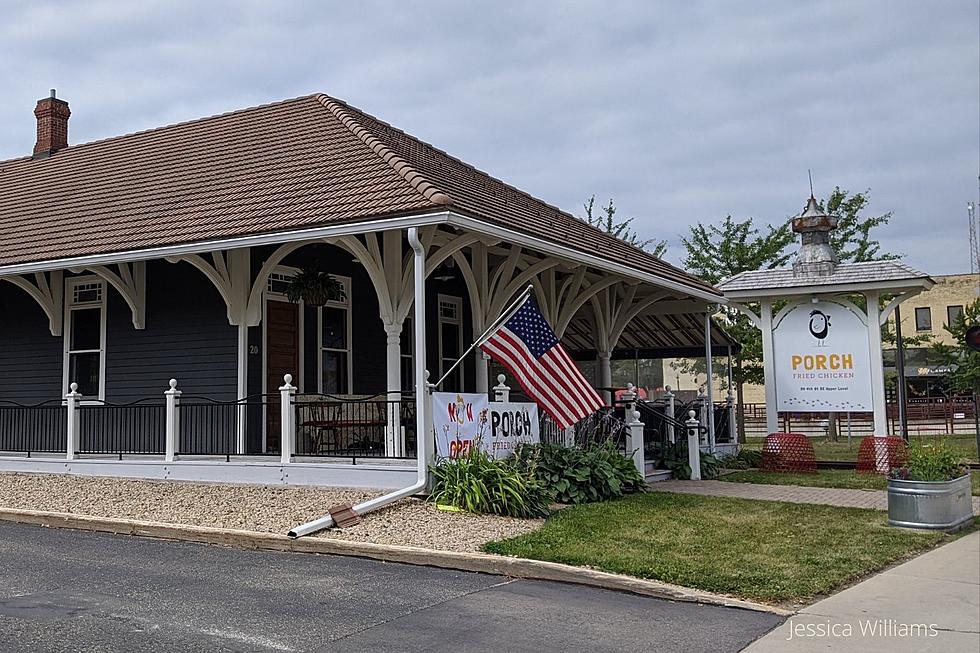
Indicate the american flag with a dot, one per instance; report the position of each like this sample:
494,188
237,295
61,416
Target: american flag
529,349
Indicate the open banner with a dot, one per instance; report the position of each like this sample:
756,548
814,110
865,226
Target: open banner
462,421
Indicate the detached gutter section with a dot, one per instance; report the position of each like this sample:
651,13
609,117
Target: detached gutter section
421,414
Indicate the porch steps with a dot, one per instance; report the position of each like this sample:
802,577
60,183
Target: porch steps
657,475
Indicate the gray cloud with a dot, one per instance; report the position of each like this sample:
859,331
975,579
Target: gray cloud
682,113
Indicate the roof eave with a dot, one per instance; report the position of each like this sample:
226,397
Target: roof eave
572,254
918,283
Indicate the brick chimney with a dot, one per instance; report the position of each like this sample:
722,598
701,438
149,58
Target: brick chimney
52,125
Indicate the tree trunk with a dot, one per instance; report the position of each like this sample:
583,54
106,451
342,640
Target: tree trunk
832,431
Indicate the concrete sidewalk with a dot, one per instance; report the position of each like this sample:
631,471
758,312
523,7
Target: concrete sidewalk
828,496
931,603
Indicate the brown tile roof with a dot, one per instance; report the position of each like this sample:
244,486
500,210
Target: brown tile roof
306,162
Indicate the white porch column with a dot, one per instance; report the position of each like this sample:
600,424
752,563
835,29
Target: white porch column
73,431
482,372
242,387
769,366
393,357
172,421
710,383
501,391
877,365
286,420
669,397
693,446
605,375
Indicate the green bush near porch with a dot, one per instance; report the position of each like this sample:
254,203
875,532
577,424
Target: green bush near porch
760,550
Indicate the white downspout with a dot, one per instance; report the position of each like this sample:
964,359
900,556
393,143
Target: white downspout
421,408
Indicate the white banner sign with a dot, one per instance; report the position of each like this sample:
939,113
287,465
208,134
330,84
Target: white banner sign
459,420
511,425
821,360
462,421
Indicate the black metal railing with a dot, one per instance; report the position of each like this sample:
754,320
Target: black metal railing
38,428
602,426
126,428
210,427
354,427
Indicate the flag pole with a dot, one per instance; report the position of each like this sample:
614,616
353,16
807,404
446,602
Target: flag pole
505,315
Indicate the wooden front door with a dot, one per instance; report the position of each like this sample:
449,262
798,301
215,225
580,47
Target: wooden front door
281,357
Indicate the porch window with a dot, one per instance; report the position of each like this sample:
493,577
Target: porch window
335,347
407,345
450,340
85,321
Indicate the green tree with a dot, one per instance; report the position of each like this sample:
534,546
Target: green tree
964,362
852,239
716,252
606,220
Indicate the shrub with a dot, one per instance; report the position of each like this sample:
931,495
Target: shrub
674,458
931,462
597,472
744,459
476,482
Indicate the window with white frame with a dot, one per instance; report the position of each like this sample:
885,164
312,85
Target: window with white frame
335,342
407,345
450,340
84,336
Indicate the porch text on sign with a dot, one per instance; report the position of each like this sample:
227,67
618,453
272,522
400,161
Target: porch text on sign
462,420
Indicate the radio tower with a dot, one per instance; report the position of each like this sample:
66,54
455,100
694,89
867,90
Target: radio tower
971,209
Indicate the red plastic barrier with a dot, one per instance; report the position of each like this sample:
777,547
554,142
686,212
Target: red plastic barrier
878,454
788,452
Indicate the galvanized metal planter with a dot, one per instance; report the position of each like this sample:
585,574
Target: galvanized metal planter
937,505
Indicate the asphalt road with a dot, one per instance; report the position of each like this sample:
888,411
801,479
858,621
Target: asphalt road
63,590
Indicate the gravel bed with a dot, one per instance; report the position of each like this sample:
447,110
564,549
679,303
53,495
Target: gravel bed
274,509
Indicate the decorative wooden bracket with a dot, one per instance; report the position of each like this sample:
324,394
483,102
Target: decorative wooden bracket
129,279
47,289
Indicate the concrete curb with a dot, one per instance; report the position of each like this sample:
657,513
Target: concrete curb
475,562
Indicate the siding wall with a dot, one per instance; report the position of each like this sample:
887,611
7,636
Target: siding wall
30,357
187,337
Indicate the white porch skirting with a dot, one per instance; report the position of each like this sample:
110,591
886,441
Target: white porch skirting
370,476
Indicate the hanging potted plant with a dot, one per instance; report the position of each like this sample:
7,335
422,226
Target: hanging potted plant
931,491
314,287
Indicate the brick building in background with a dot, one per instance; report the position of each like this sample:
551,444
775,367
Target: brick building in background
929,314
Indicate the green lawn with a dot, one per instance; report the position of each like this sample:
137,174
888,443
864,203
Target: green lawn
766,551
842,478
826,449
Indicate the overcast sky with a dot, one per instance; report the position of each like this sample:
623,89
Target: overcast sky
681,111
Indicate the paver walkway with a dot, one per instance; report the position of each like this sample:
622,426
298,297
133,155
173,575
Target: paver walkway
828,496
931,603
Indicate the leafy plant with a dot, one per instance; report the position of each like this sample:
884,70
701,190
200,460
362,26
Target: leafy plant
675,459
476,482
931,462
315,287
623,230
597,472
744,459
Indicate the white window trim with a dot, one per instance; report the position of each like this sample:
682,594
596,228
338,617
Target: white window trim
346,305
70,306
407,336
458,301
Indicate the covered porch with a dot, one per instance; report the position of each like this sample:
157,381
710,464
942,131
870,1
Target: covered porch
153,293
